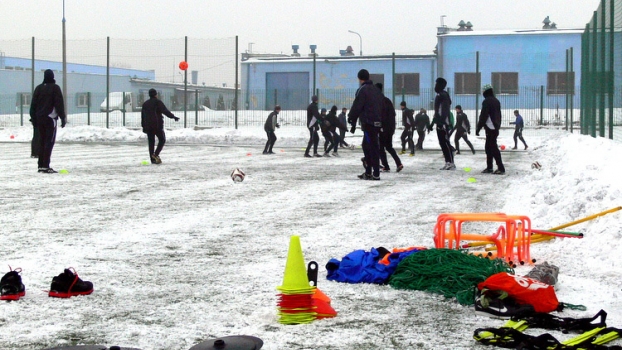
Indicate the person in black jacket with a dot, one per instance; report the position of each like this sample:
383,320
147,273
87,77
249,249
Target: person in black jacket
442,104
152,122
422,123
463,127
343,127
46,107
367,107
386,134
333,120
408,122
270,126
490,120
313,120
325,129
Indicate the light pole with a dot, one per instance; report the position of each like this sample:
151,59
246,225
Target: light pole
64,61
360,40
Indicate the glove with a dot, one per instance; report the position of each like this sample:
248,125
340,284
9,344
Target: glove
352,129
176,119
63,122
277,125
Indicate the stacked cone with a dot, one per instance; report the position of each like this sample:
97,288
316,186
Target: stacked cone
322,305
295,303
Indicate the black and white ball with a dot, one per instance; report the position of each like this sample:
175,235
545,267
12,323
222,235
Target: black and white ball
237,175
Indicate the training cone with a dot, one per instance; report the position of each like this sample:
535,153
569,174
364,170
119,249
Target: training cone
63,171
466,170
295,280
471,180
145,162
323,309
318,294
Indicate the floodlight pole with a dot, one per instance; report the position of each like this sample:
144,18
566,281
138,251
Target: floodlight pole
360,41
64,61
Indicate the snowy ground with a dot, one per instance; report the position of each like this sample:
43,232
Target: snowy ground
178,253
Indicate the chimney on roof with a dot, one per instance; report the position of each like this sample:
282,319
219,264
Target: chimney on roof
469,26
553,25
461,26
295,48
347,52
312,47
547,23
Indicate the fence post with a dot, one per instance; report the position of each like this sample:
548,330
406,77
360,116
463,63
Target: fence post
185,83
541,104
393,78
21,109
276,101
235,97
123,102
32,69
88,108
566,88
196,107
572,92
477,85
107,81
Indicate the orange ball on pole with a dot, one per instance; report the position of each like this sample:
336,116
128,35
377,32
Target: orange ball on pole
183,65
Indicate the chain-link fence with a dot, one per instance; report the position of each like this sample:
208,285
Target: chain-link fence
601,71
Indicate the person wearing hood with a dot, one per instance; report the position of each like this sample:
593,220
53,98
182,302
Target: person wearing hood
152,122
408,123
343,127
442,104
46,108
334,124
422,123
490,120
386,134
325,129
270,126
313,119
367,107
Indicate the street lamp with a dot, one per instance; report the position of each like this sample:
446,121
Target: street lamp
360,40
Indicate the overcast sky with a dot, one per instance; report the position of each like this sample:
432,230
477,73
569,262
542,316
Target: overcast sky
403,27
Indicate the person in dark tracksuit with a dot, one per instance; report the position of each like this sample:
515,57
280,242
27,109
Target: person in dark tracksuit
490,120
518,131
463,127
313,120
328,136
152,122
442,104
270,126
422,123
334,124
343,127
46,108
408,122
367,107
386,134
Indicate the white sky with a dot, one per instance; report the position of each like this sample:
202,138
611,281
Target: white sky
404,27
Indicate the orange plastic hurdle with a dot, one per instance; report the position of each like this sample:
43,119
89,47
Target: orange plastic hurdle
511,240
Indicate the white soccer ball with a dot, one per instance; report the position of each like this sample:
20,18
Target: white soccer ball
237,175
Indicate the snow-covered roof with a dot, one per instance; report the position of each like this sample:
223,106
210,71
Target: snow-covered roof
337,58
514,32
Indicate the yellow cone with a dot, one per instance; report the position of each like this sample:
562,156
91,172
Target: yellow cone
295,277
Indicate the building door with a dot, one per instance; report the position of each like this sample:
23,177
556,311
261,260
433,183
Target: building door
290,90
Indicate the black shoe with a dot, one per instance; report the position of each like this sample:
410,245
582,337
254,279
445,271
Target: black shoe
473,150
264,152
270,152
500,308
154,160
158,160
487,171
457,152
375,178
364,176
11,285
47,171
399,168
307,155
385,170
68,284
317,155
499,172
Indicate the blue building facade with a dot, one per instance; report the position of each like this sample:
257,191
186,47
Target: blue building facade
289,81
524,67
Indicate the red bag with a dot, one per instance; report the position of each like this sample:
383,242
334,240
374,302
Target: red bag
523,290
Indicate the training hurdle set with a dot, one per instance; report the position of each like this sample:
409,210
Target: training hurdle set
511,240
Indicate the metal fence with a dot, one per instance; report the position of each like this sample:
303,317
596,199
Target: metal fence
600,71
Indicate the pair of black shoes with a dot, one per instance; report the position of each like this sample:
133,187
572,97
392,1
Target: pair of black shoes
65,285
155,159
47,171
494,172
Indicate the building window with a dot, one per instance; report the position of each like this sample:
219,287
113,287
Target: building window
556,83
377,78
406,83
505,83
26,97
467,83
82,99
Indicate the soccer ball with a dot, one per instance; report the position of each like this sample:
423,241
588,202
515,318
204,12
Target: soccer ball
237,175
502,147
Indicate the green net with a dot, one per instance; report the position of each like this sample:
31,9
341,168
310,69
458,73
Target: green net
452,273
